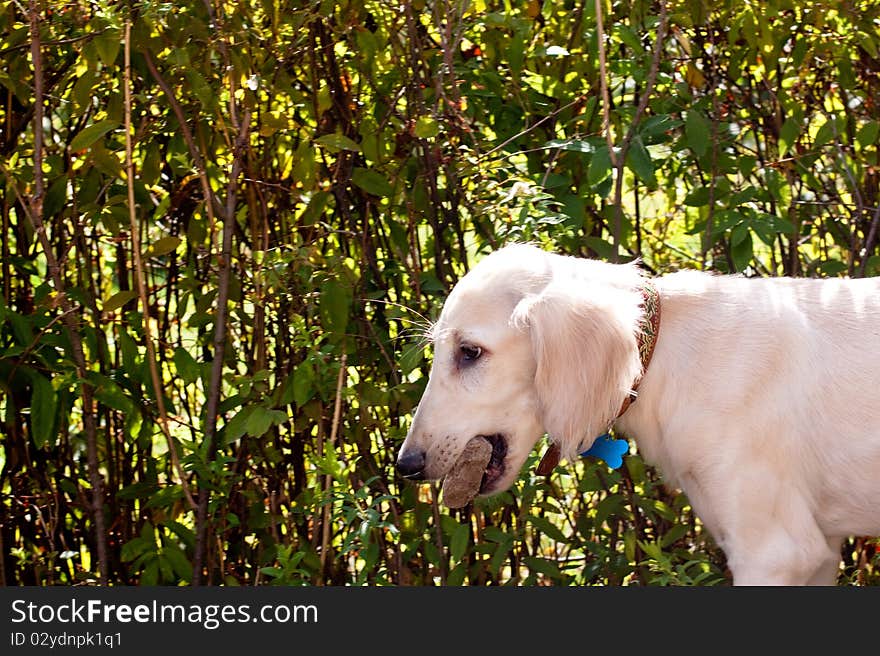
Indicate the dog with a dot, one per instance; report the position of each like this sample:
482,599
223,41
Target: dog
761,399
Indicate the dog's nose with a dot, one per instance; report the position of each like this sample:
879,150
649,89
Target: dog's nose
412,464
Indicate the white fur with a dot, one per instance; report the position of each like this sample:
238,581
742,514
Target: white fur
762,401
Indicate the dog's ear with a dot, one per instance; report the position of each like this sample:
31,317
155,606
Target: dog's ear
584,341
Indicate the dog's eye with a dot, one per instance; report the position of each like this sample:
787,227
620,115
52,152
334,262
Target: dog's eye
469,352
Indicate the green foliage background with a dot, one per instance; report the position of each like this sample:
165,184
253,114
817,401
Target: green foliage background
359,156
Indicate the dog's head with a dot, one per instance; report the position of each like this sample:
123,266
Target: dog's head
528,343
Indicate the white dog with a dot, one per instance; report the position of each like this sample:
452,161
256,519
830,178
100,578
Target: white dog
761,402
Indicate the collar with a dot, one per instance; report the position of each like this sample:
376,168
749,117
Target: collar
649,330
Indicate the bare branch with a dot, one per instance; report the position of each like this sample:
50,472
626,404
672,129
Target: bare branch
139,276
618,158
35,214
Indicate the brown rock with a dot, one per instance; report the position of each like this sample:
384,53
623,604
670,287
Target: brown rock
463,482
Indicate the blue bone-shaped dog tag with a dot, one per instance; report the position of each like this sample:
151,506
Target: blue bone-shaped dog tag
608,449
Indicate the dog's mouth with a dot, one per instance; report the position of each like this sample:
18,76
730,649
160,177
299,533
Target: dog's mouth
496,468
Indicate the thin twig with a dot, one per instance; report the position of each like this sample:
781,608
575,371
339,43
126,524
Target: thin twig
195,153
35,214
334,431
57,42
618,158
710,209
869,244
224,265
139,276
603,86
521,133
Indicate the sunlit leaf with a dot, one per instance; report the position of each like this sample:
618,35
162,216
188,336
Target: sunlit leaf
788,134
372,182
426,127
162,246
43,410
337,142
867,135
118,299
459,543
696,131
90,134
600,166
639,161
335,301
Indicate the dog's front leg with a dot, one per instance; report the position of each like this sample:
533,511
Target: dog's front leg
765,527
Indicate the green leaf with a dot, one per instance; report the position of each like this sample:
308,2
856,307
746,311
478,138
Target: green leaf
575,208
334,305
303,383
162,246
82,90
868,133
136,547
371,181
272,572
185,364
788,134
825,133
200,87
696,132
237,426
830,268
90,134
546,527
629,37
777,185
741,247
516,52
600,166
426,127
652,550
150,574
543,566
496,534
118,300
259,422
56,197
315,208
111,394
43,407
456,575
698,197
656,129
184,533
107,45
673,534
164,497
638,159
745,164
459,542
177,560
607,506
336,142
868,41
549,85
412,355
739,233
140,490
